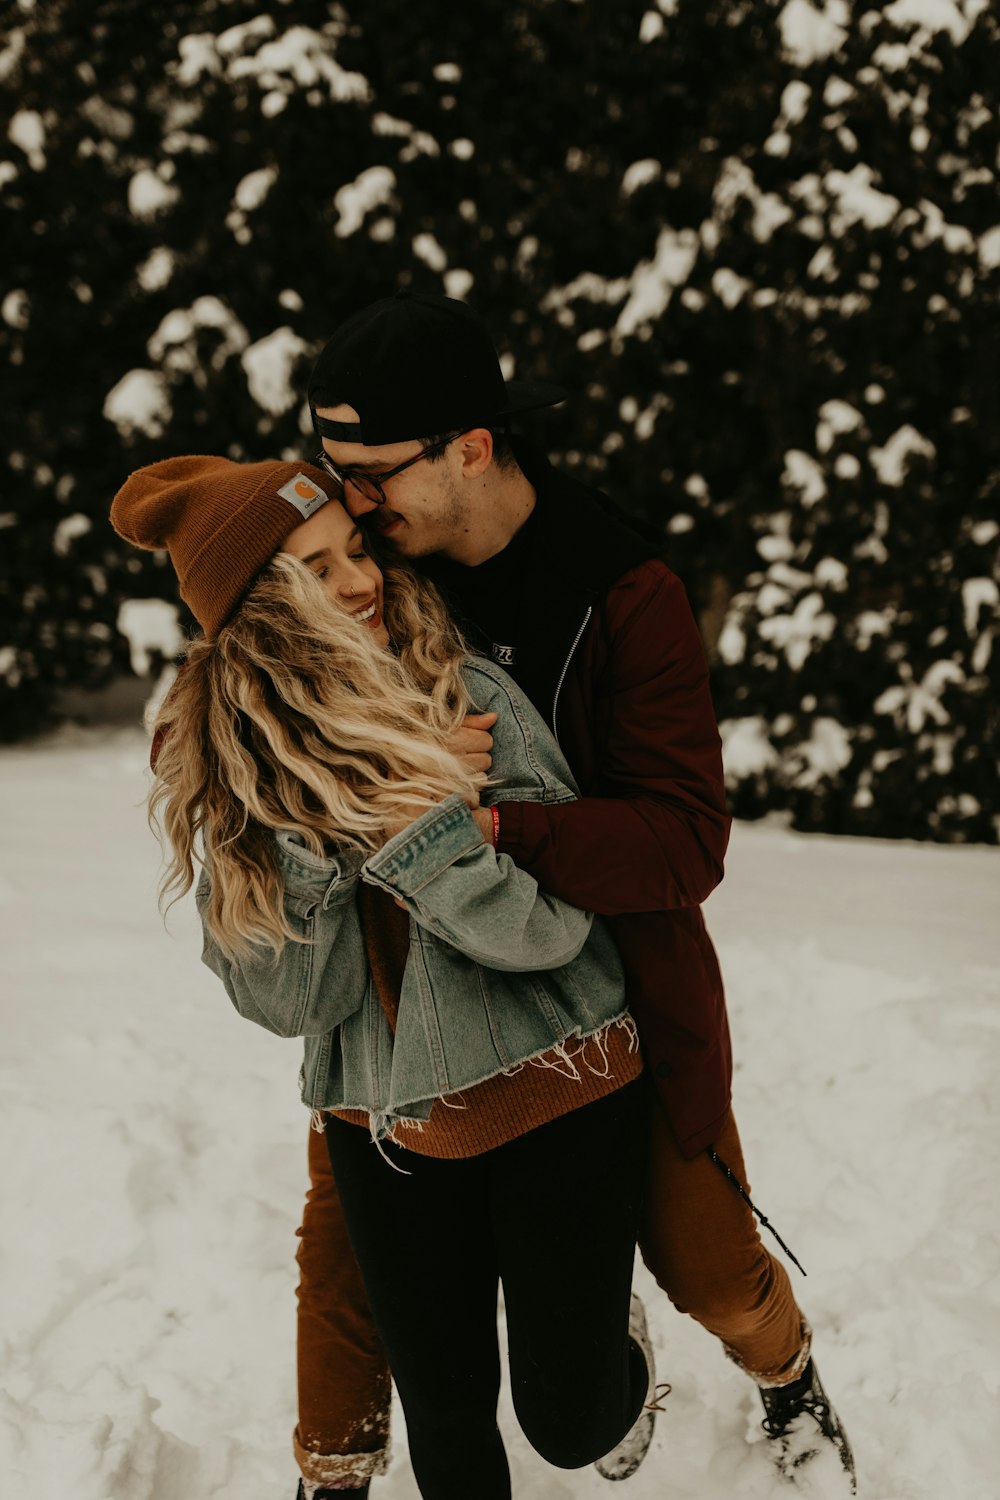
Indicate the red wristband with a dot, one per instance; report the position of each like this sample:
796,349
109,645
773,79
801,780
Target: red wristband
495,814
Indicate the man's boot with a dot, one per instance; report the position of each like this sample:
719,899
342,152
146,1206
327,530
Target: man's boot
801,1425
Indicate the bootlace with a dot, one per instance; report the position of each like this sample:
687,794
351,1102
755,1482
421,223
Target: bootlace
660,1394
775,1425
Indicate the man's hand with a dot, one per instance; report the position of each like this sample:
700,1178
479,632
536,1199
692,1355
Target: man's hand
473,743
483,819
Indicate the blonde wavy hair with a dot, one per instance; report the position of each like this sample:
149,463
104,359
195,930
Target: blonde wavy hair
295,718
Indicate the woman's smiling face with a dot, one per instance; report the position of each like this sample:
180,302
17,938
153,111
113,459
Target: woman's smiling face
331,546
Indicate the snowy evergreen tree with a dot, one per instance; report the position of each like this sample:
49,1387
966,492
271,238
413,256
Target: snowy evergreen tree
758,239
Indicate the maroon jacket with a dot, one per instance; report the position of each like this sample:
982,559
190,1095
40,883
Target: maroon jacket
608,649
645,845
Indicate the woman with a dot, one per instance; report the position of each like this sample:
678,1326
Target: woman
467,1049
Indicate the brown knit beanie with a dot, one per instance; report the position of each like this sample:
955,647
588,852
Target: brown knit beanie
220,521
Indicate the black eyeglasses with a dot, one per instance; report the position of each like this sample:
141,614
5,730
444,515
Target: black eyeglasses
370,485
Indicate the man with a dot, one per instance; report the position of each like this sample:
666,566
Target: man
413,412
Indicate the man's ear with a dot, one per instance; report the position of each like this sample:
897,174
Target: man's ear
476,451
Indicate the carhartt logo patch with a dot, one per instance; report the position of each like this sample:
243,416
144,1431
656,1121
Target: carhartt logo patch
304,495
504,656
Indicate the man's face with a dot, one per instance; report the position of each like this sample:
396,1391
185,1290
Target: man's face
426,508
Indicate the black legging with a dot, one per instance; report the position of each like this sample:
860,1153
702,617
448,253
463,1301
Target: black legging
553,1216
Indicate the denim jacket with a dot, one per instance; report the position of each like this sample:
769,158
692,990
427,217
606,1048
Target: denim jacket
497,972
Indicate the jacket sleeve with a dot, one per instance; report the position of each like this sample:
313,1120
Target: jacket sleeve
456,886
311,986
657,839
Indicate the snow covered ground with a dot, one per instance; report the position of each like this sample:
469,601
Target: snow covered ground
154,1159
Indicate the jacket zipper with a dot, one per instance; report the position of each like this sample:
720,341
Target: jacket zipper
562,674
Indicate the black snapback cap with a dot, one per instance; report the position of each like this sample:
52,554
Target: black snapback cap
413,366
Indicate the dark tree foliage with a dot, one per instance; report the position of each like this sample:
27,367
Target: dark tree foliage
758,239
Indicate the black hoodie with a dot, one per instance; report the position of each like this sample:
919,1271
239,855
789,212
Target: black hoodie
526,606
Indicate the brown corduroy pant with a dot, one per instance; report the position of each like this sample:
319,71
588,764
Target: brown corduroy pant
700,1242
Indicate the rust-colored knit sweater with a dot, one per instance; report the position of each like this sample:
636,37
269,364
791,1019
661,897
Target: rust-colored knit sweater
511,1104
